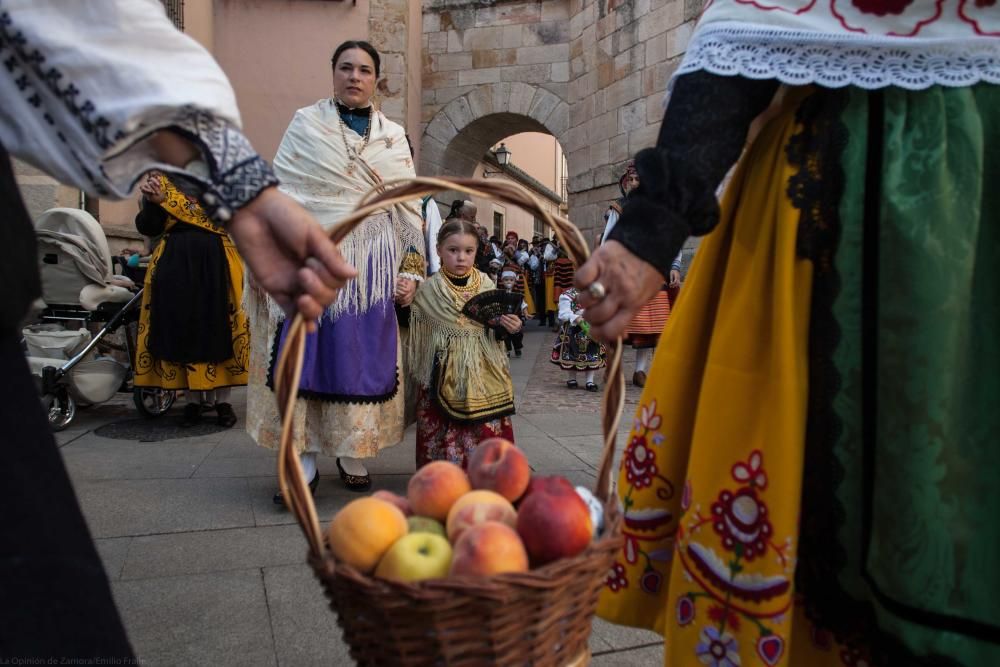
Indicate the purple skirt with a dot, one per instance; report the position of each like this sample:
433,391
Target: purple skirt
350,360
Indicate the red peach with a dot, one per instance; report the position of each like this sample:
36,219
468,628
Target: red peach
462,518
399,501
434,489
553,521
498,465
487,549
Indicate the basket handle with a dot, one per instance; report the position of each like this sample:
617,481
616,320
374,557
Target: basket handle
289,367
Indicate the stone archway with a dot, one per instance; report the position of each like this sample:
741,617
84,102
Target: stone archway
461,132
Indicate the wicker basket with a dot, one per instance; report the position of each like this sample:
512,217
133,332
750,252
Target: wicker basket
541,617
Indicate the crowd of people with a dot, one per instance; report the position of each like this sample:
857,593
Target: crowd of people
809,478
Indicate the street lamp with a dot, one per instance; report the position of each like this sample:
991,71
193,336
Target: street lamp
502,156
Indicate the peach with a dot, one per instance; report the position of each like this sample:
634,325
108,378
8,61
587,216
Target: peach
399,501
553,521
480,496
362,532
487,549
498,465
434,489
468,515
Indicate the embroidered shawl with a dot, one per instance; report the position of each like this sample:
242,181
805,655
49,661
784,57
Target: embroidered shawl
913,44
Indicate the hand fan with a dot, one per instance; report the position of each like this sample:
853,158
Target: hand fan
486,307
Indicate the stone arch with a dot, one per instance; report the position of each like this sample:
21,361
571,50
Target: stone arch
460,133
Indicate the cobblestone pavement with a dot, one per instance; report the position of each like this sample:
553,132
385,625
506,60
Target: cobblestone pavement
547,392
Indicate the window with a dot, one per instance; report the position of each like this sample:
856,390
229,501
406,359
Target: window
175,12
498,224
539,229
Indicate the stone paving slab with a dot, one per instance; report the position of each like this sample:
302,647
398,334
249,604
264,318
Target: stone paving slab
149,506
91,457
113,551
152,556
305,629
648,656
220,618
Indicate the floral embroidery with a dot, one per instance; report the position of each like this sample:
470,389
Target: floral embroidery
616,580
685,610
645,524
717,648
882,7
741,522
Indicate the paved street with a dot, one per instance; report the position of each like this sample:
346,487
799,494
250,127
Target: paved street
207,571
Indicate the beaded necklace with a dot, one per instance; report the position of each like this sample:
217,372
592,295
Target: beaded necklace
463,293
353,153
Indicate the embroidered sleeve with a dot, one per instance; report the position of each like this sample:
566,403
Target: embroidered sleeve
702,134
413,265
86,84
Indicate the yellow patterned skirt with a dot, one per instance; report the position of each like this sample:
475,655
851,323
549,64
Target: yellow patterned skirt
711,477
153,372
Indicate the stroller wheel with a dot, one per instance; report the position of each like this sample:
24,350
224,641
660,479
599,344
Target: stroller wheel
152,401
61,410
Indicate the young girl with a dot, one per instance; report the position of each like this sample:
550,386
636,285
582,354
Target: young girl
574,350
466,394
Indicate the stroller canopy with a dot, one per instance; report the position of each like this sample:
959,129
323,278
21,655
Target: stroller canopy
72,253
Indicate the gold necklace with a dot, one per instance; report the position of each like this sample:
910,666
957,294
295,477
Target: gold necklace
463,293
352,153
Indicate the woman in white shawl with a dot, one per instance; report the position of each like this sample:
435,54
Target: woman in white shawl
351,394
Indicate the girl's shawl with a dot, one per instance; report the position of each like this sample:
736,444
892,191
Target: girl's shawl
183,208
834,43
438,328
312,164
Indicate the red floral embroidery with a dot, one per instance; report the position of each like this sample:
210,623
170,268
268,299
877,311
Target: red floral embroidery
685,610
717,614
616,578
640,463
740,519
651,581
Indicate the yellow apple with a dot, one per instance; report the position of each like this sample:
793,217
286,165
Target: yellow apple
415,557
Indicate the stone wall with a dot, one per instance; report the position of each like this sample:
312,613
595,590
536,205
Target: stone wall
591,72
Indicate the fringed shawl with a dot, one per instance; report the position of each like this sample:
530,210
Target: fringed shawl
438,329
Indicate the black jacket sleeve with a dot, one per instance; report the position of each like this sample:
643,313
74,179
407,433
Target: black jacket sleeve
703,132
151,219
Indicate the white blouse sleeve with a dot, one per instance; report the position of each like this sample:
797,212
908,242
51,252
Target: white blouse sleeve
612,217
433,221
566,313
85,84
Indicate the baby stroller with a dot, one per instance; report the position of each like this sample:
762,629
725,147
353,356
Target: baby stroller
72,366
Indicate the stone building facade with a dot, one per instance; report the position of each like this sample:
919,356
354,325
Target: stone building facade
593,73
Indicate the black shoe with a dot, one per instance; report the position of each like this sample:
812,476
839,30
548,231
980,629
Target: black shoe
592,387
571,384
358,483
517,353
192,415
279,500
224,415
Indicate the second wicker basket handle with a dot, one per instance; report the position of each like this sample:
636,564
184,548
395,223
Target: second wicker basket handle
289,367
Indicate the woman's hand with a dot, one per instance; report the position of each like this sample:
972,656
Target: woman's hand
512,323
675,278
406,288
628,282
290,256
151,188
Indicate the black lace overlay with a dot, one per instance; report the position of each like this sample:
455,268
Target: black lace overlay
702,135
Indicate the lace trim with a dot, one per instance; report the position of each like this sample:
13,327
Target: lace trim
834,61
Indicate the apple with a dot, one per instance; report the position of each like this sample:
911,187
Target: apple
462,518
434,488
553,521
363,531
498,465
487,549
425,524
416,557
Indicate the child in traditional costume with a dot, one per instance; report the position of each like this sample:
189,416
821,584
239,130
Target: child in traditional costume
465,390
508,280
574,349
